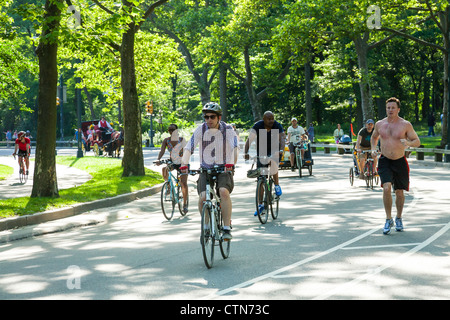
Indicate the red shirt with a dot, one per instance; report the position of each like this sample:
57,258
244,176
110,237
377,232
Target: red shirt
23,146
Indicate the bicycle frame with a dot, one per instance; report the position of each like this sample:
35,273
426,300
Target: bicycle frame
211,215
173,196
268,199
209,201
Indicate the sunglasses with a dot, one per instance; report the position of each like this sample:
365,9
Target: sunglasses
212,117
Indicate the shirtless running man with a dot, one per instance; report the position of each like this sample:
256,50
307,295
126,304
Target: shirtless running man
396,135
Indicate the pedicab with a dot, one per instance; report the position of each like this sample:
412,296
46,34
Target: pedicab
304,161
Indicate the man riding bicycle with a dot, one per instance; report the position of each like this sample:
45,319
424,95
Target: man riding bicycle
174,144
270,141
218,145
23,146
363,144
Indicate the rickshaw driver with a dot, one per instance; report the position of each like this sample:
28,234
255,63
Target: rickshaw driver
295,133
363,144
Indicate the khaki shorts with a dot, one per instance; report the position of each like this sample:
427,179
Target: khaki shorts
224,180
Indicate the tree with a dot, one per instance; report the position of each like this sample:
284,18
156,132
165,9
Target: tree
439,13
246,42
188,24
45,181
311,24
130,19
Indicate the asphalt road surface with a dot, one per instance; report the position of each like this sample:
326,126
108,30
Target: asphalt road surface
327,243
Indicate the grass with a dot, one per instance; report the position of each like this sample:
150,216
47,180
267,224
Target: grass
5,171
107,181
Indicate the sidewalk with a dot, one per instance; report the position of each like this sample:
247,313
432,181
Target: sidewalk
15,228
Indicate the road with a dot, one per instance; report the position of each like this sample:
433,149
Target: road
326,244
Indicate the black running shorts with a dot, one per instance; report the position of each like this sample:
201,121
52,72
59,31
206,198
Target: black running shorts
395,172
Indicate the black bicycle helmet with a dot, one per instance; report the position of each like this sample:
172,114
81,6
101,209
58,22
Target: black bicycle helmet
212,107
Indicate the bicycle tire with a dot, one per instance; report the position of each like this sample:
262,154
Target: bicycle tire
274,201
224,246
207,239
298,159
21,176
370,169
351,176
181,200
167,201
261,194
366,174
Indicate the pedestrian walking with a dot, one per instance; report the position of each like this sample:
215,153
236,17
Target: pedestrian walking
396,134
431,124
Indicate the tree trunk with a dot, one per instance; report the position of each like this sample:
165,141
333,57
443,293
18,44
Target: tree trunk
446,34
308,100
223,90
133,160
45,180
252,96
362,49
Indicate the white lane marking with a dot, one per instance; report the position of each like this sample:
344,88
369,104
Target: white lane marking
304,261
345,287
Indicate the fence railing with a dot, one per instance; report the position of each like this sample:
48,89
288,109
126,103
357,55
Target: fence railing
420,152
68,143
340,148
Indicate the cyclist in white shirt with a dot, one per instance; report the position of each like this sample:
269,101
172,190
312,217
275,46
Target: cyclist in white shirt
294,136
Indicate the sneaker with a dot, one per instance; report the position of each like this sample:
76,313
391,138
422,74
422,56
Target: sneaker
398,224
292,168
387,226
27,172
226,236
278,191
260,208
185,209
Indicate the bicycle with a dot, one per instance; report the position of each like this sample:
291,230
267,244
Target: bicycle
265,192
369,171
211,218
23,173
171,192
303,161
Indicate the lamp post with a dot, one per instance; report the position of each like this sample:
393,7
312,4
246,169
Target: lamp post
350,102
447,156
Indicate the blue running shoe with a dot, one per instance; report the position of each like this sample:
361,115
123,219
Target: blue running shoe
398,224
278,191
260,208
387,226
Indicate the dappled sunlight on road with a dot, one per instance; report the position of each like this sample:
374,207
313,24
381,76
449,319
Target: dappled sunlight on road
326,244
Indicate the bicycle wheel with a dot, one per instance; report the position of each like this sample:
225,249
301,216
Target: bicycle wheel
22,175
274,201
366,174
181,200
351,176
224,245
207,238
370,176
167,201
298,159
261,199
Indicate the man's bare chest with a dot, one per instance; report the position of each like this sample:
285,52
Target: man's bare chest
392,131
